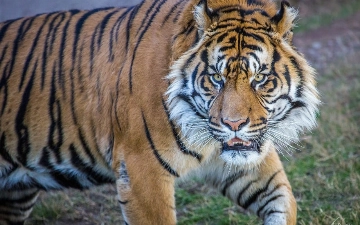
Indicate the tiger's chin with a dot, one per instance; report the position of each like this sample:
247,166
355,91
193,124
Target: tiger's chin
247,154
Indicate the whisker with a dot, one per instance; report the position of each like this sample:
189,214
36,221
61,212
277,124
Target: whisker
279,134
280,141
282,145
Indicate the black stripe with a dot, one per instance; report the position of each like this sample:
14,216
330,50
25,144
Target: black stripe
287,77
103,24
253,197
79,26
267,202
85,146
8,212
116,100
55,139
225,48
172,10
53,28
179,13
4,153
92,175
252,47
16,208
190,102
146,27
49,45
61,74
147,14
2,57
299,71
92,51
24,146
255,57
244,13
272,211
205,57
214,126
156,153
194,74
64,179
180,144
116,28
5,27
222,37
284,96
123,202
255,2
21,32
188,62
276,57
118,22
227,26
79,73
297,104
187,30
254,36
111,37
244,190
31,52
231,180
133,13
21,200
62,56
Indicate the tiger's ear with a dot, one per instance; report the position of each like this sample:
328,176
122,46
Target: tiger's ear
283,21
204,16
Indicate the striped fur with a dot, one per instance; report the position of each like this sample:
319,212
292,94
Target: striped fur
144,95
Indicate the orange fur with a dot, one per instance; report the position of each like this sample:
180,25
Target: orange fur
89,97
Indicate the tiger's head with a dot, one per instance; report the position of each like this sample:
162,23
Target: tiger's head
242,86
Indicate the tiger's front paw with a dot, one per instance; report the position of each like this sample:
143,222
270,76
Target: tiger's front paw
276,219
280,218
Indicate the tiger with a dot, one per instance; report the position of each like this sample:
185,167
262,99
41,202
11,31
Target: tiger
146,96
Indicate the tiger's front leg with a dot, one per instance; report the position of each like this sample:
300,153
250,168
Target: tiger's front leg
263,190
145,191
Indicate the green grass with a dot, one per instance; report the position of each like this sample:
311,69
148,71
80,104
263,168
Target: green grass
316,20
325,174
95,206
49,210
198,204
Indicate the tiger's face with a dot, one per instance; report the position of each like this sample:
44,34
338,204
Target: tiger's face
243,87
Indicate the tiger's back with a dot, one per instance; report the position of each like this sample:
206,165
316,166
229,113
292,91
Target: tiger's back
45,122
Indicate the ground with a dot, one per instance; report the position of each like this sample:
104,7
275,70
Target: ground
325,48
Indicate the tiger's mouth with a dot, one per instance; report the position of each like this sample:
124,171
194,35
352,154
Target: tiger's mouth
237,144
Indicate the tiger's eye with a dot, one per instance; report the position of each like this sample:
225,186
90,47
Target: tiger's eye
259,77
217,77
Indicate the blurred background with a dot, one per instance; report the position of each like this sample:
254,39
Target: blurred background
12,9
324,169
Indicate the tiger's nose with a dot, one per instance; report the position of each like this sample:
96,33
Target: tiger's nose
234,125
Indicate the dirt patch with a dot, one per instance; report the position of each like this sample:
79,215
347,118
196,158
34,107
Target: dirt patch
325,46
